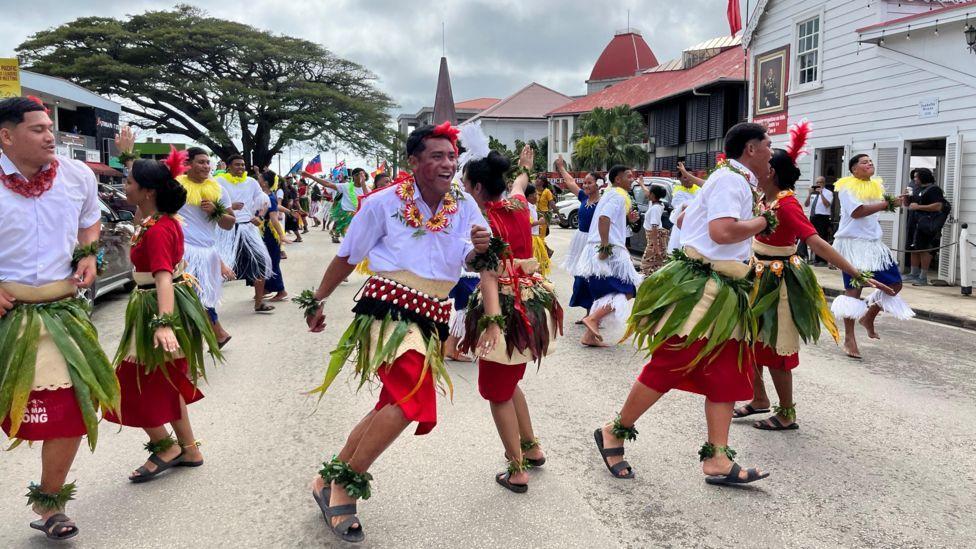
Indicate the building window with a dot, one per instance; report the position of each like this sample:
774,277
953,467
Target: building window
564,124
808,52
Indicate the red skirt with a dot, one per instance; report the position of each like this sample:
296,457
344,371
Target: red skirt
766,356
399,379
497,382
50,414
152,400
722,380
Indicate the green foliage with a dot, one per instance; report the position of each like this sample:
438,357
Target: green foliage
50,502
615,133
307,303
215,81
355,484
159,446
709,450
621,432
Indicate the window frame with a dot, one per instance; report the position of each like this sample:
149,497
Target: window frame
795,68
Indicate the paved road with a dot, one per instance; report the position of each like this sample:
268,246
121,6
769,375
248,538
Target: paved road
884,457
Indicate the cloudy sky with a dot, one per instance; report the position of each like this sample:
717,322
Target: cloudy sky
494,47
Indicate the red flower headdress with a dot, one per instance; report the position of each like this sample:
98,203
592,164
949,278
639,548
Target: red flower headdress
799,134
447,131
39,102
176,162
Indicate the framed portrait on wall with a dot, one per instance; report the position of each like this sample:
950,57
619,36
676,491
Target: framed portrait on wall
770,81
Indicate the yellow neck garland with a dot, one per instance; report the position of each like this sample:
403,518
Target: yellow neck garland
198,192
693,190
624,194
870,190
232,179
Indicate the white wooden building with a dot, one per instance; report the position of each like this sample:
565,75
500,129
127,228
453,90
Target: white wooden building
894,79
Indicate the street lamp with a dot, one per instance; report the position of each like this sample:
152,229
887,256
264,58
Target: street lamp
970,32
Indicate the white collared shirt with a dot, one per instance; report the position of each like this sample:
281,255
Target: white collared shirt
613,206
249,192
198,229
38,235
376,232
818,205
724,194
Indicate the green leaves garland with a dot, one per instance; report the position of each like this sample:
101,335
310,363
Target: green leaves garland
488,320
160,445
862,279
307,303
606,250
892,203
709,450
529,444
355,484
158,321
219,211
518,466
621,432
50,502
491,258
772,222
788,413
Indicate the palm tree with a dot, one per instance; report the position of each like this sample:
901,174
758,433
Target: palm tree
621,129
590,152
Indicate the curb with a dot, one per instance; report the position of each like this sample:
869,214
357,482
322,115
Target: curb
932,316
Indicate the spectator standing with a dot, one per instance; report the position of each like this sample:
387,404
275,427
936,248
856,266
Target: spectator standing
656,247
928,212
820,201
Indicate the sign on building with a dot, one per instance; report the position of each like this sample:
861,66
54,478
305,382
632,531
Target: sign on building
9,78
928,107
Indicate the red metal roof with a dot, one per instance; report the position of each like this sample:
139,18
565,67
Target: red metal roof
655,86
625,55
917,16
479,104
102,169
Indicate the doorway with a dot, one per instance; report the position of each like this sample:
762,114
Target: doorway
929,154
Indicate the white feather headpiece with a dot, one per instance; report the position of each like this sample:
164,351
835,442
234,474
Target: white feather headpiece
475,144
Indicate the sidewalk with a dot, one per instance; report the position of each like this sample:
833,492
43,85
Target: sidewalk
942,304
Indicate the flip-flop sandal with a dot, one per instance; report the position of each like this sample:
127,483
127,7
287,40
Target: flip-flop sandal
749,411
184,463
57,527
536,462
264,308
220,344
145,475
772,423
615,470
732,478
344,530
505,480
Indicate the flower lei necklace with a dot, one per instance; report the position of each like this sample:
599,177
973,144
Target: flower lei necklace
411,216
144,227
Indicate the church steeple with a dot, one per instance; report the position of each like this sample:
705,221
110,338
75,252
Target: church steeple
444,97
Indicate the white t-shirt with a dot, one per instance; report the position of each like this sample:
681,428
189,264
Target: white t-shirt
724,194
653,216
342,189
613,206
866,228
378,233
39,235
249,192
818,205
198,230
533,217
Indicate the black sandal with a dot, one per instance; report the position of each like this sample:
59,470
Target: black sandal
264,308
615,470
145,475
732,478
772,423
57,527
505,480
345,529
528,445
736,414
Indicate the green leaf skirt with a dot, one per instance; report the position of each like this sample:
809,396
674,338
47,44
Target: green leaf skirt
91,374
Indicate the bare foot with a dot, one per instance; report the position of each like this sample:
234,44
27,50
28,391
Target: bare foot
458,357
280,296
592,327
850,347
720,465
610,441
589,340
868,324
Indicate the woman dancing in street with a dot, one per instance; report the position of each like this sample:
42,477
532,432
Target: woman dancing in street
161,354
588,195
513,317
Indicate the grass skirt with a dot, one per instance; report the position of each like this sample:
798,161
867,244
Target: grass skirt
203,264
340,221
576,247
67,324
243,249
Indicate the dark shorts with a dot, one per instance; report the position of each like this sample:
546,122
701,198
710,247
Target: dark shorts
581,294
462,291
889,276
924,241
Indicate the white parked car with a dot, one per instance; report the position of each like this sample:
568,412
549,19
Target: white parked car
567,205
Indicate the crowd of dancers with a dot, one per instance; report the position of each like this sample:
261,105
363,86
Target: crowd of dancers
731,297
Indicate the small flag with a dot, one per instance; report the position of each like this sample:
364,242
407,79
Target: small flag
296,168
339,170
735,17
315,165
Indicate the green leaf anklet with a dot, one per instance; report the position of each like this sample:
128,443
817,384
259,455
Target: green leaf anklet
355,484
160,445
709,450
518,466
530,444
621,432
50,502
788,413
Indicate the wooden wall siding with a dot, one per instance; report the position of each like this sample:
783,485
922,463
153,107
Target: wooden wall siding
868,96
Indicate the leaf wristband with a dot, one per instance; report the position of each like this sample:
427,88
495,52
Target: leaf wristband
861,280
488,320
604,249
523,170
88,250
892,203
491,258
160,321
126,156
772,222
219,211
307,303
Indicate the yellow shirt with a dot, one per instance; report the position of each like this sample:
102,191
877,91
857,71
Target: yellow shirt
545,200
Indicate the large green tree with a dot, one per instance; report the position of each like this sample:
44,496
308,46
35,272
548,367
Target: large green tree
610,136
218,82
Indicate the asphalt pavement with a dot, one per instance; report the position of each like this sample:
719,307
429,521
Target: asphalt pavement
883,458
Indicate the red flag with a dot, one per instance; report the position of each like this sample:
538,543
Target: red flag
735,17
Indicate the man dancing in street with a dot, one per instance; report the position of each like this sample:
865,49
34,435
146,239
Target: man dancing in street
694,317
53,373
242,247
207,208
416,237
